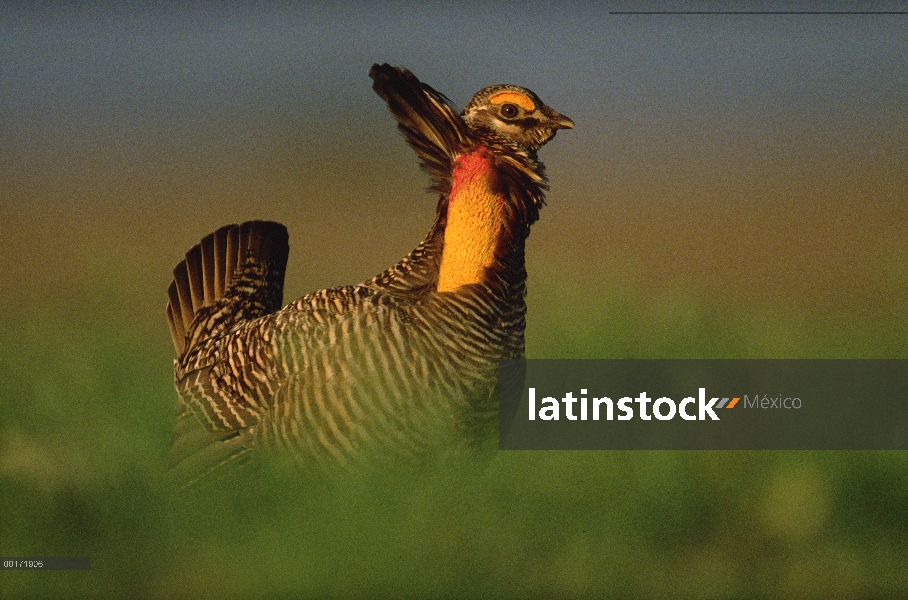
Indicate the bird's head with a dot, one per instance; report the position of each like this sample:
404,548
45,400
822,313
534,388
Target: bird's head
514,116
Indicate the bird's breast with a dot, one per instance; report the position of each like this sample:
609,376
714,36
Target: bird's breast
474,221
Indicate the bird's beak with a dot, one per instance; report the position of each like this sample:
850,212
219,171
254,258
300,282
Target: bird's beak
558,121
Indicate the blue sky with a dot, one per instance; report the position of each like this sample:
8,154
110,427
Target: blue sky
162,122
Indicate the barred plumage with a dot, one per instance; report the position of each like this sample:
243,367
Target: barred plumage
388,369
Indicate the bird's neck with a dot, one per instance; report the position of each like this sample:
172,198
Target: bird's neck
476,223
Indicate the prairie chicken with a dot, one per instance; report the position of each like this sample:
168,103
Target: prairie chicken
392,368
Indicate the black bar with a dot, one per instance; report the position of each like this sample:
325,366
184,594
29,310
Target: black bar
44,563
758,12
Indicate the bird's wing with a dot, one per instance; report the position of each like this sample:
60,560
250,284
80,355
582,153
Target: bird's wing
227,385
296,370
197,453
427,120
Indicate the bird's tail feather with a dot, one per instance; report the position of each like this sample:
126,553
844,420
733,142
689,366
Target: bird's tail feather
232,275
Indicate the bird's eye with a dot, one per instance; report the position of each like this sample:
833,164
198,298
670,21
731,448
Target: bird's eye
509,111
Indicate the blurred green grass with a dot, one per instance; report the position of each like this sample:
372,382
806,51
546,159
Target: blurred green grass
86,414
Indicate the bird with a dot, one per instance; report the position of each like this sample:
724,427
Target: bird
393,369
